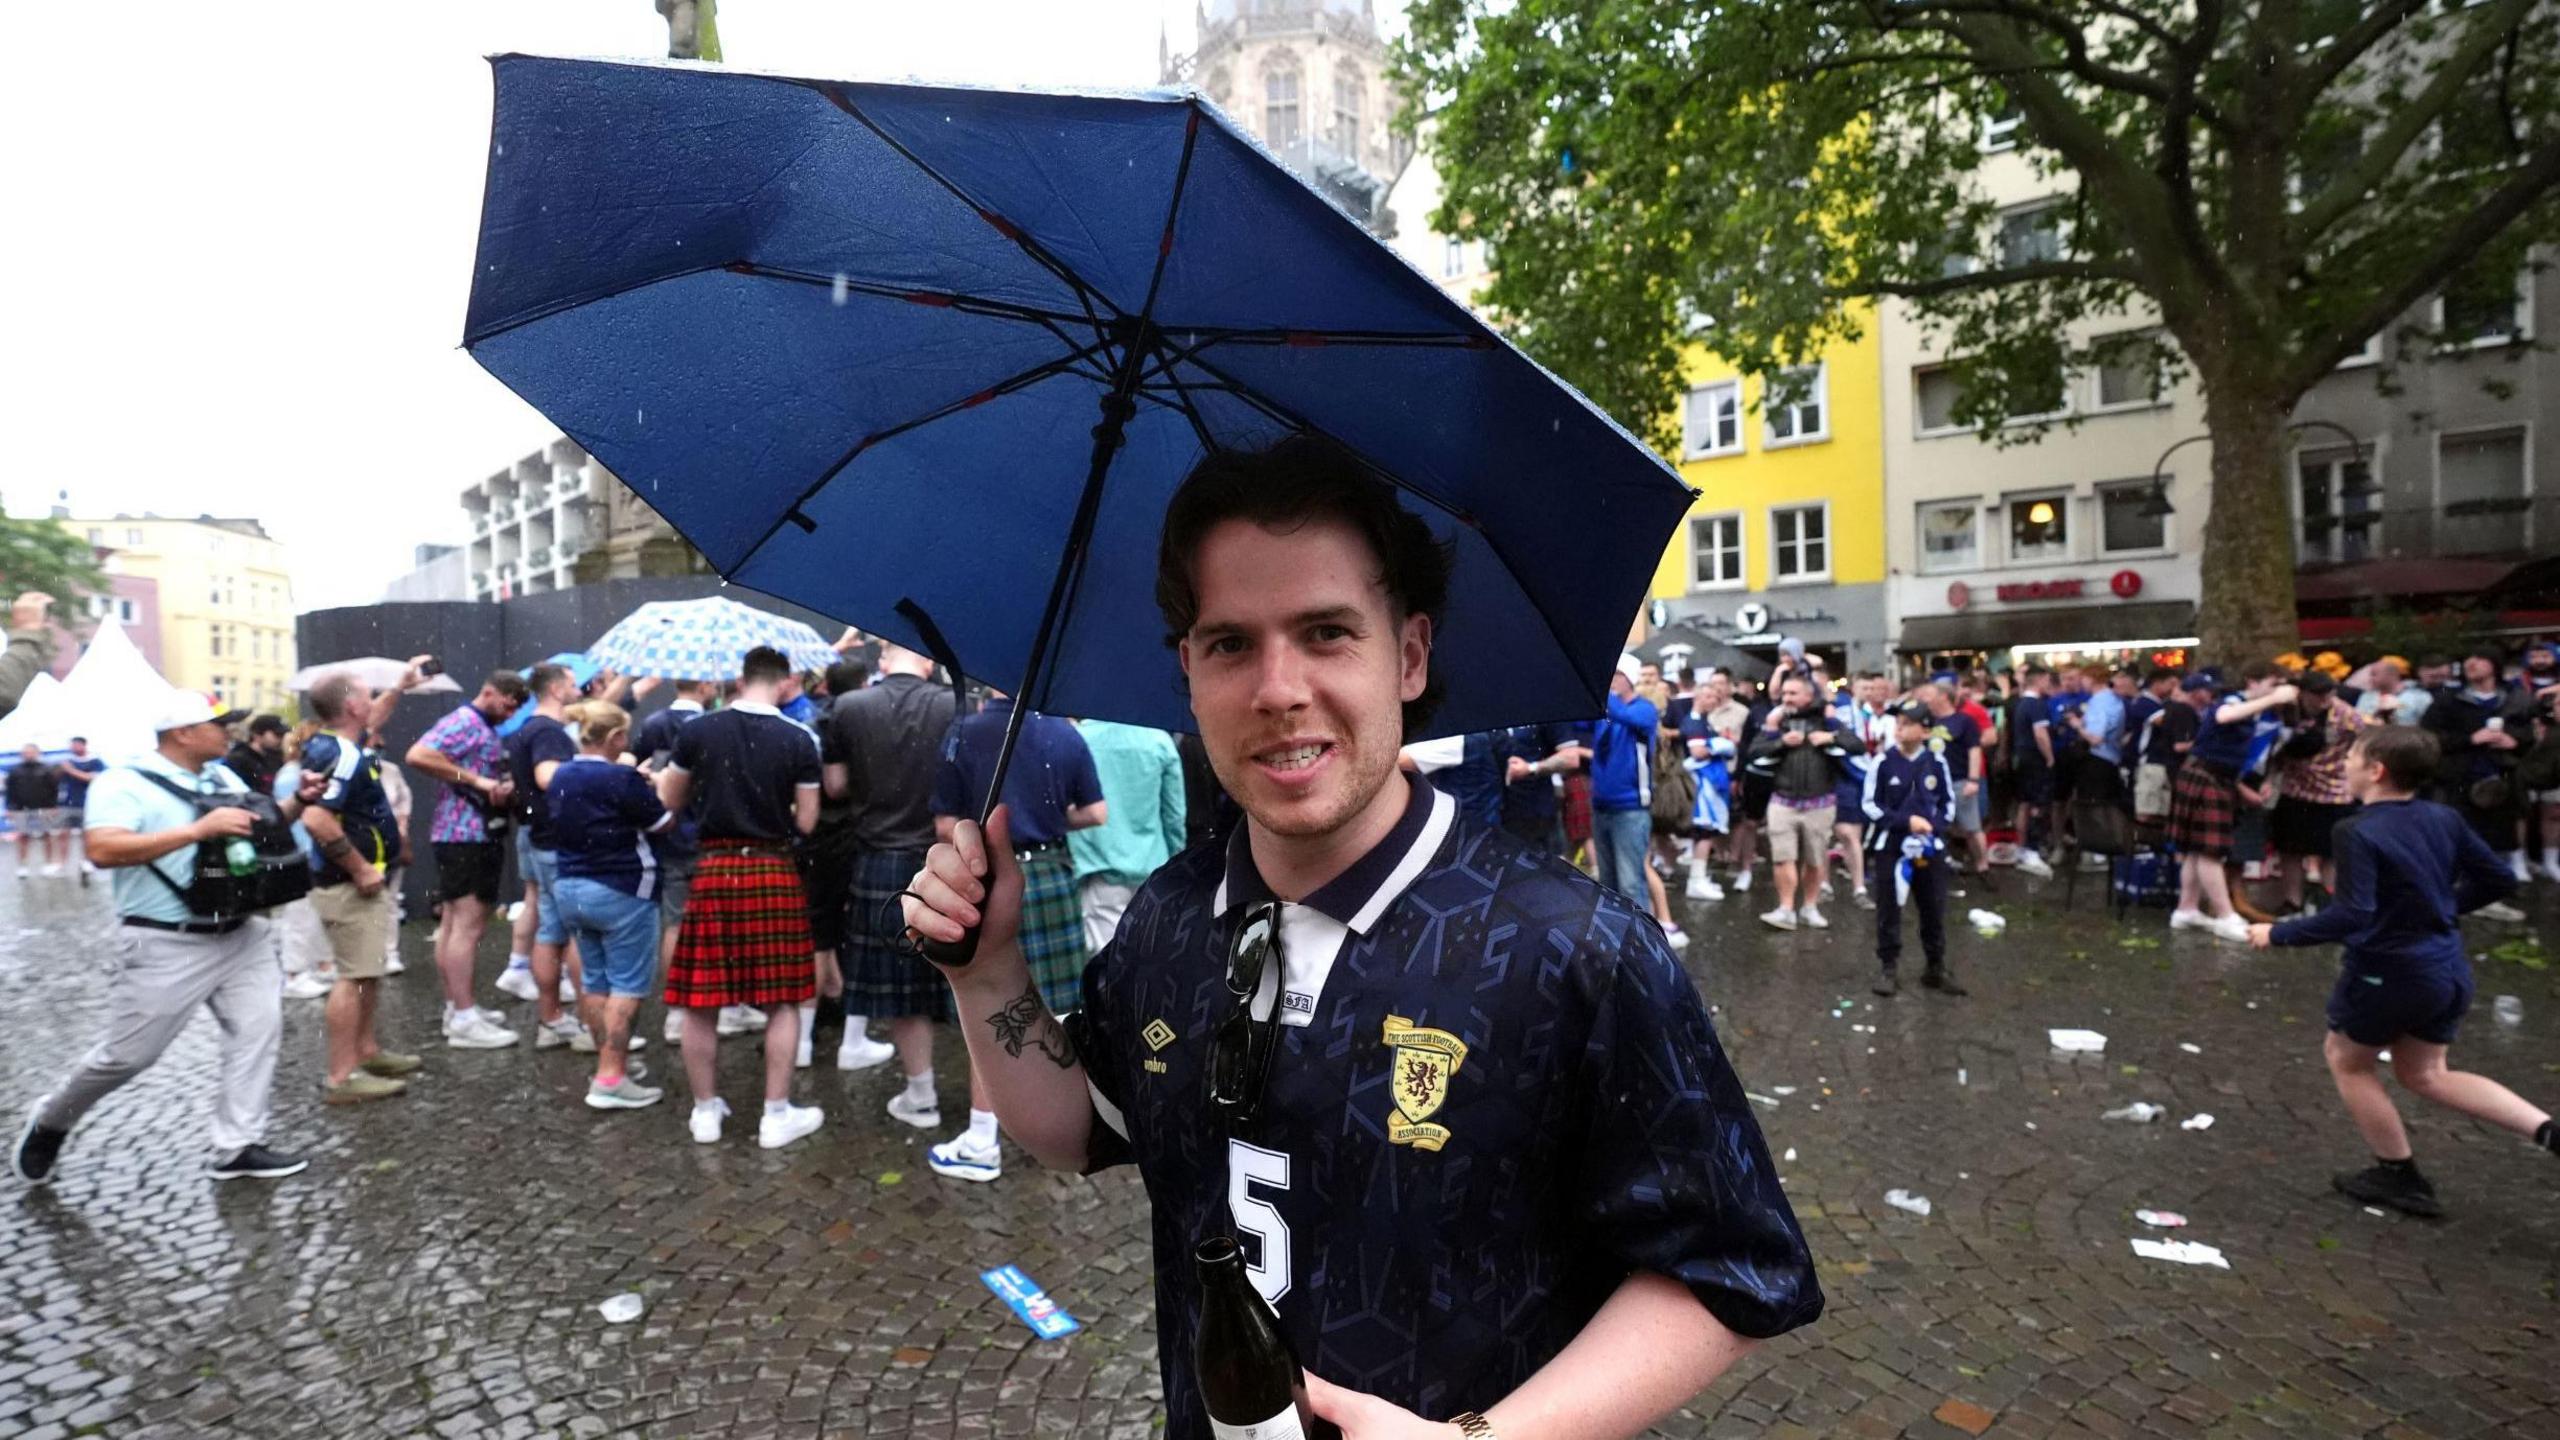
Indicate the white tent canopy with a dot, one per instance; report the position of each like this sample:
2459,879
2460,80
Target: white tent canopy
111,697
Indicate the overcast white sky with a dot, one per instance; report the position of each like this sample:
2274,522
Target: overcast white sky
244,237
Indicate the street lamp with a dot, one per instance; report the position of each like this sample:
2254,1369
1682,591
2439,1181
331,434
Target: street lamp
2156,505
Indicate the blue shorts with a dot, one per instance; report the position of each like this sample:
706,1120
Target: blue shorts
2375,1009
617,934
541,870
1849,799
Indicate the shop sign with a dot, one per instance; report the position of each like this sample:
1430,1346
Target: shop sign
2042,589
1959,595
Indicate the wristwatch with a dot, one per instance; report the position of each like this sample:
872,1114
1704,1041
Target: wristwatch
1474,1426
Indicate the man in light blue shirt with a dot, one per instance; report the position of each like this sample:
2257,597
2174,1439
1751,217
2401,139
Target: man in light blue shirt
1141,774
2101,722
175,960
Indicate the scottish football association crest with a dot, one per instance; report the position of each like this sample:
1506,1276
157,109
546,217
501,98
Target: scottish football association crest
1425,1061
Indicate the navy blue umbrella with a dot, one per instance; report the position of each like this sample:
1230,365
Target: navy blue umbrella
932,361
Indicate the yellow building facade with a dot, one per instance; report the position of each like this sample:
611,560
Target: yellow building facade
226,600
1787,536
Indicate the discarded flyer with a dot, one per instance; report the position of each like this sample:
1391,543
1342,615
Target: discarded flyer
2160,1219
2191,1049
2184,1252
1030,1303
1905,1200
621,1309
2196,1122
2080,1042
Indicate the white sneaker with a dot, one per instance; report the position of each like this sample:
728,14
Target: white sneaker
2231,928
2189,920
2516,866
568,991
515,912
1781,918
2500,910
629,1095
394,965
1742,882
1811,916
963,1159
2551,869
807,1053
56,869
775,1131
518,981
1701,887
924,1115
22,872
2031,863
1678,937
476,1029
861,1052
674,1030
306,987
705,1122
564,1031
741,1019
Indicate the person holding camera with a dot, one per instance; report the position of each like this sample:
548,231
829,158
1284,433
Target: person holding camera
148,822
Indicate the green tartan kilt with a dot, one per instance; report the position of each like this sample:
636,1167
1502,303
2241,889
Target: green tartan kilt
1053,928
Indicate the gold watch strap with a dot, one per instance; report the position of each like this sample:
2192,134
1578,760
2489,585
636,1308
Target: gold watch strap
1474,1426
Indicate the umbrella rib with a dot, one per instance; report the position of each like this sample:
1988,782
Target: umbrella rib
1201,339
792,513
913,294
1022,240
590,297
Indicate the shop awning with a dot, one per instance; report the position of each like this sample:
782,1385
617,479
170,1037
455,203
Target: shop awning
2386,579
2060,625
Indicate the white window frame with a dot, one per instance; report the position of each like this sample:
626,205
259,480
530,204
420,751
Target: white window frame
2521,335
2098,521
1998,131
1819,394
1297,106
2371,354
2435,477
1453,258
2333,453
2057,206
1732,389
1972,506
1920,426
1777,546
1920,430
2061,498
1741,569
2098,403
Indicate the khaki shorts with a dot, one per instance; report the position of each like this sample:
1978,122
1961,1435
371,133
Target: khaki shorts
358,926
2151,792
1799,834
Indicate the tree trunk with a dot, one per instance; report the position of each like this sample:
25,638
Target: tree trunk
2248,608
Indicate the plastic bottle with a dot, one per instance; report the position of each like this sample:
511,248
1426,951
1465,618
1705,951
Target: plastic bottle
2510,1010
240,857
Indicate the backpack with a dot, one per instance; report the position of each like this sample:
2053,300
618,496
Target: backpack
276,872
1675,792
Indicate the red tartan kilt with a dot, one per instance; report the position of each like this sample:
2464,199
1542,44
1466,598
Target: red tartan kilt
1577,808
2204,810
745,938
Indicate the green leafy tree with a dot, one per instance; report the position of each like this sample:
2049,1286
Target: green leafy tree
41,555
2275,180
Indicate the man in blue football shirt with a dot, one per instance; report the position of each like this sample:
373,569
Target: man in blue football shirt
1459,1103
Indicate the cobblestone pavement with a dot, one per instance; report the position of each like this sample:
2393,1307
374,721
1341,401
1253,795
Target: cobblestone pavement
437,1270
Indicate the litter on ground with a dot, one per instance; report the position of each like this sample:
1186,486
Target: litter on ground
2082,1042
2183,1252
1905,1200
2160,1219
2196,1122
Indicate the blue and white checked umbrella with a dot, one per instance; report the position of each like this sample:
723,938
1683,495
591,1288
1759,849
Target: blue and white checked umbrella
703,640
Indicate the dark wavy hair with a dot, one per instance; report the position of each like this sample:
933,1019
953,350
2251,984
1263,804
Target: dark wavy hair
1301,479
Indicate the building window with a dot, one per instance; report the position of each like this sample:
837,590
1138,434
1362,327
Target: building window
125,610
1795,406
2123,528
2000,125
2482,306
213,641
2031,235
1347,106
1712,420
1280,107
1938,390
1715,549
133,537
1950,536
2132,370
1800,542
2039,528
2482,495
1453,260
97,536
2340,504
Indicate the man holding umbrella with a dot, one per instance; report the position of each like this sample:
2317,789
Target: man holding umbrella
1336,1007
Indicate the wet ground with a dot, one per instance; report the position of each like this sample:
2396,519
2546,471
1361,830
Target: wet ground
437,1270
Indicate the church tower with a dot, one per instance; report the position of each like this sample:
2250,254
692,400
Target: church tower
1308,78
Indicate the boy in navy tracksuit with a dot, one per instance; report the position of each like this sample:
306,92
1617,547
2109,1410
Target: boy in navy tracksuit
2405,868
1908,794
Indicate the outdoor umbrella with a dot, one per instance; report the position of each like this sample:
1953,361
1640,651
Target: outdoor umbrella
933,360
374,672
700,640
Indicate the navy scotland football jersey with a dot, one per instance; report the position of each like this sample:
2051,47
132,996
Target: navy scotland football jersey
1496,1096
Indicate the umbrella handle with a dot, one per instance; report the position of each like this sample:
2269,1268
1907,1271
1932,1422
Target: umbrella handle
950,954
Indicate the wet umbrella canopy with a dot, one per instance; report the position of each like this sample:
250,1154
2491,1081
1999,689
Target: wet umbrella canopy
866,344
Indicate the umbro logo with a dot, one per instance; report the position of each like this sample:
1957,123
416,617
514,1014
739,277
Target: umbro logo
1157,1035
